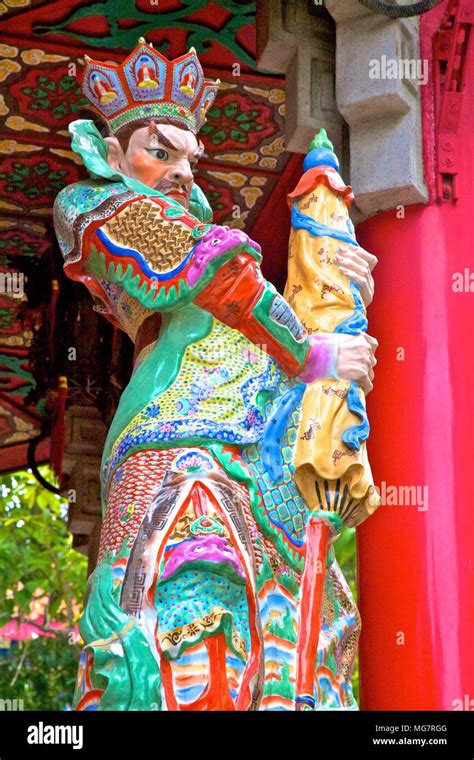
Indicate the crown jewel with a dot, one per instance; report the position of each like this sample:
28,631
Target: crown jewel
146,84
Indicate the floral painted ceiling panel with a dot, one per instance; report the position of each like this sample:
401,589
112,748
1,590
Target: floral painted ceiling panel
222,32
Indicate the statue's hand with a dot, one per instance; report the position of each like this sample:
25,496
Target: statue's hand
356,263
355,358
341,357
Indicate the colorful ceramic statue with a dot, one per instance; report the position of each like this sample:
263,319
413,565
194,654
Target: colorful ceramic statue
195,602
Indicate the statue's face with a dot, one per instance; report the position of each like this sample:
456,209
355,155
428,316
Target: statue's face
161,156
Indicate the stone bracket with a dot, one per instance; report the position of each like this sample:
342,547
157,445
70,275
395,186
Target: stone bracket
376,96
293,42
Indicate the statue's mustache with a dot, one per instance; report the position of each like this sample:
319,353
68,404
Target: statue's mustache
166,184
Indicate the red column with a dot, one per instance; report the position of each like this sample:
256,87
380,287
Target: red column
416,565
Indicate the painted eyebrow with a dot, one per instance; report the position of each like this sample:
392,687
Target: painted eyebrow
153,130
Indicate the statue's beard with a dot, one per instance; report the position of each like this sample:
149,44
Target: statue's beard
174,190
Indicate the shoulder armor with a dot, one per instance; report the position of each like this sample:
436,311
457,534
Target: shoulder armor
79,204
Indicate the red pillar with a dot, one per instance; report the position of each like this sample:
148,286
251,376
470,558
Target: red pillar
416,567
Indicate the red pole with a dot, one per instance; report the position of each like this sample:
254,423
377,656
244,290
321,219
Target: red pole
416,559
318,533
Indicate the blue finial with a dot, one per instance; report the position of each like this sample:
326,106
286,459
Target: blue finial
321,153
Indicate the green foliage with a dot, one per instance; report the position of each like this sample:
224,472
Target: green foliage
38,562
41,672
346,553
345,548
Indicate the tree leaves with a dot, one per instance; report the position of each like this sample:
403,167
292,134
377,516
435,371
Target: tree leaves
38,563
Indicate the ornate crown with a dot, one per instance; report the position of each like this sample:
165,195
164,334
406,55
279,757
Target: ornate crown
145,85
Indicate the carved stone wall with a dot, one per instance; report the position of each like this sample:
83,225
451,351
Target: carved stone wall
302,46
85,440
320,58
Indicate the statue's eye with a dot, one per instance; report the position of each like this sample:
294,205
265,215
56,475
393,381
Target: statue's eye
160,154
